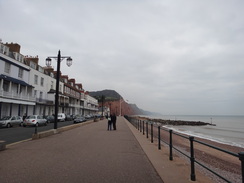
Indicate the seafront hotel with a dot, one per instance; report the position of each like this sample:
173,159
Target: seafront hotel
27,88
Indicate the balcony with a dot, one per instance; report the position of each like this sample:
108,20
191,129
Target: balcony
75,105
44,101
89,107
15,96
64,104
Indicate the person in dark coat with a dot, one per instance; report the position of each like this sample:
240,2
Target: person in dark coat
113,119
24,116
109,122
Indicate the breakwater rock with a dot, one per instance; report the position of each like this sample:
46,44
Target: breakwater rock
175,122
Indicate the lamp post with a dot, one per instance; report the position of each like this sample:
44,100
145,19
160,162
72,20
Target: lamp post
102,98
110,109
120,105
48,63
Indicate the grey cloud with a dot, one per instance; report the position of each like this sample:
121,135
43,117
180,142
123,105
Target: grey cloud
181,57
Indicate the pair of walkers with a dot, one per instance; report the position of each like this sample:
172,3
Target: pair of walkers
112,121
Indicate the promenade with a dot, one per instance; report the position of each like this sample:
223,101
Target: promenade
91,154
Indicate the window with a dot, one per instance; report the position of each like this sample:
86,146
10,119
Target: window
42,81
32,65
51,84
68,90
36,79
7,67
5,85
41,95
19,89
20,73
1,48
35,92
21,58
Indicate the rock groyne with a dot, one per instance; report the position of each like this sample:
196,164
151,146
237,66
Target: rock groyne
175,122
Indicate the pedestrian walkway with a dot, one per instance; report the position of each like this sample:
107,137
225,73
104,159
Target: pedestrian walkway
91,154
87,154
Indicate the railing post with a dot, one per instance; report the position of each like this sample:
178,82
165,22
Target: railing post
193,176
170,145
140,125
143,128
159,138
151,133
147,128
241,157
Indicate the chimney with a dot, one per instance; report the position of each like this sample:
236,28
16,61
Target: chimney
33,59
13,47
48,69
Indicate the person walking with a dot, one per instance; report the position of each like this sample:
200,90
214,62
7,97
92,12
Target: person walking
109,122
24,116
113,119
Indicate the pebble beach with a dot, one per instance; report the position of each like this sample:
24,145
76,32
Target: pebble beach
226,165
222,163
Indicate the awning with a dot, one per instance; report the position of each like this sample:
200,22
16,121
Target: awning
14,80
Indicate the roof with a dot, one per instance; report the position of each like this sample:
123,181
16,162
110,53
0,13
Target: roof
14,80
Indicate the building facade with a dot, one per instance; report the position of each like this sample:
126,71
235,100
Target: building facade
27,88
16,94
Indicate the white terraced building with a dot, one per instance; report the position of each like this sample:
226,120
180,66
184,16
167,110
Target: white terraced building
26,88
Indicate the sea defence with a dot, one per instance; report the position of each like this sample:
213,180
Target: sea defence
175,122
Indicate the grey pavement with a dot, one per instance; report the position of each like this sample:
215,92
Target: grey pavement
86,154
91,154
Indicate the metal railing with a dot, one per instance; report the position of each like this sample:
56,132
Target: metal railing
150,128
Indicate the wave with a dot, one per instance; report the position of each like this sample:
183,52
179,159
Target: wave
224,129
228,130
238,142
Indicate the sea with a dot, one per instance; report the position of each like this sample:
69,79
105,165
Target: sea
228,130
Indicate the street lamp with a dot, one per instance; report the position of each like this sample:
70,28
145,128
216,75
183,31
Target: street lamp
48,63
120,104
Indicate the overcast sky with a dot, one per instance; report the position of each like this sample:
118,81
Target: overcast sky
172,57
